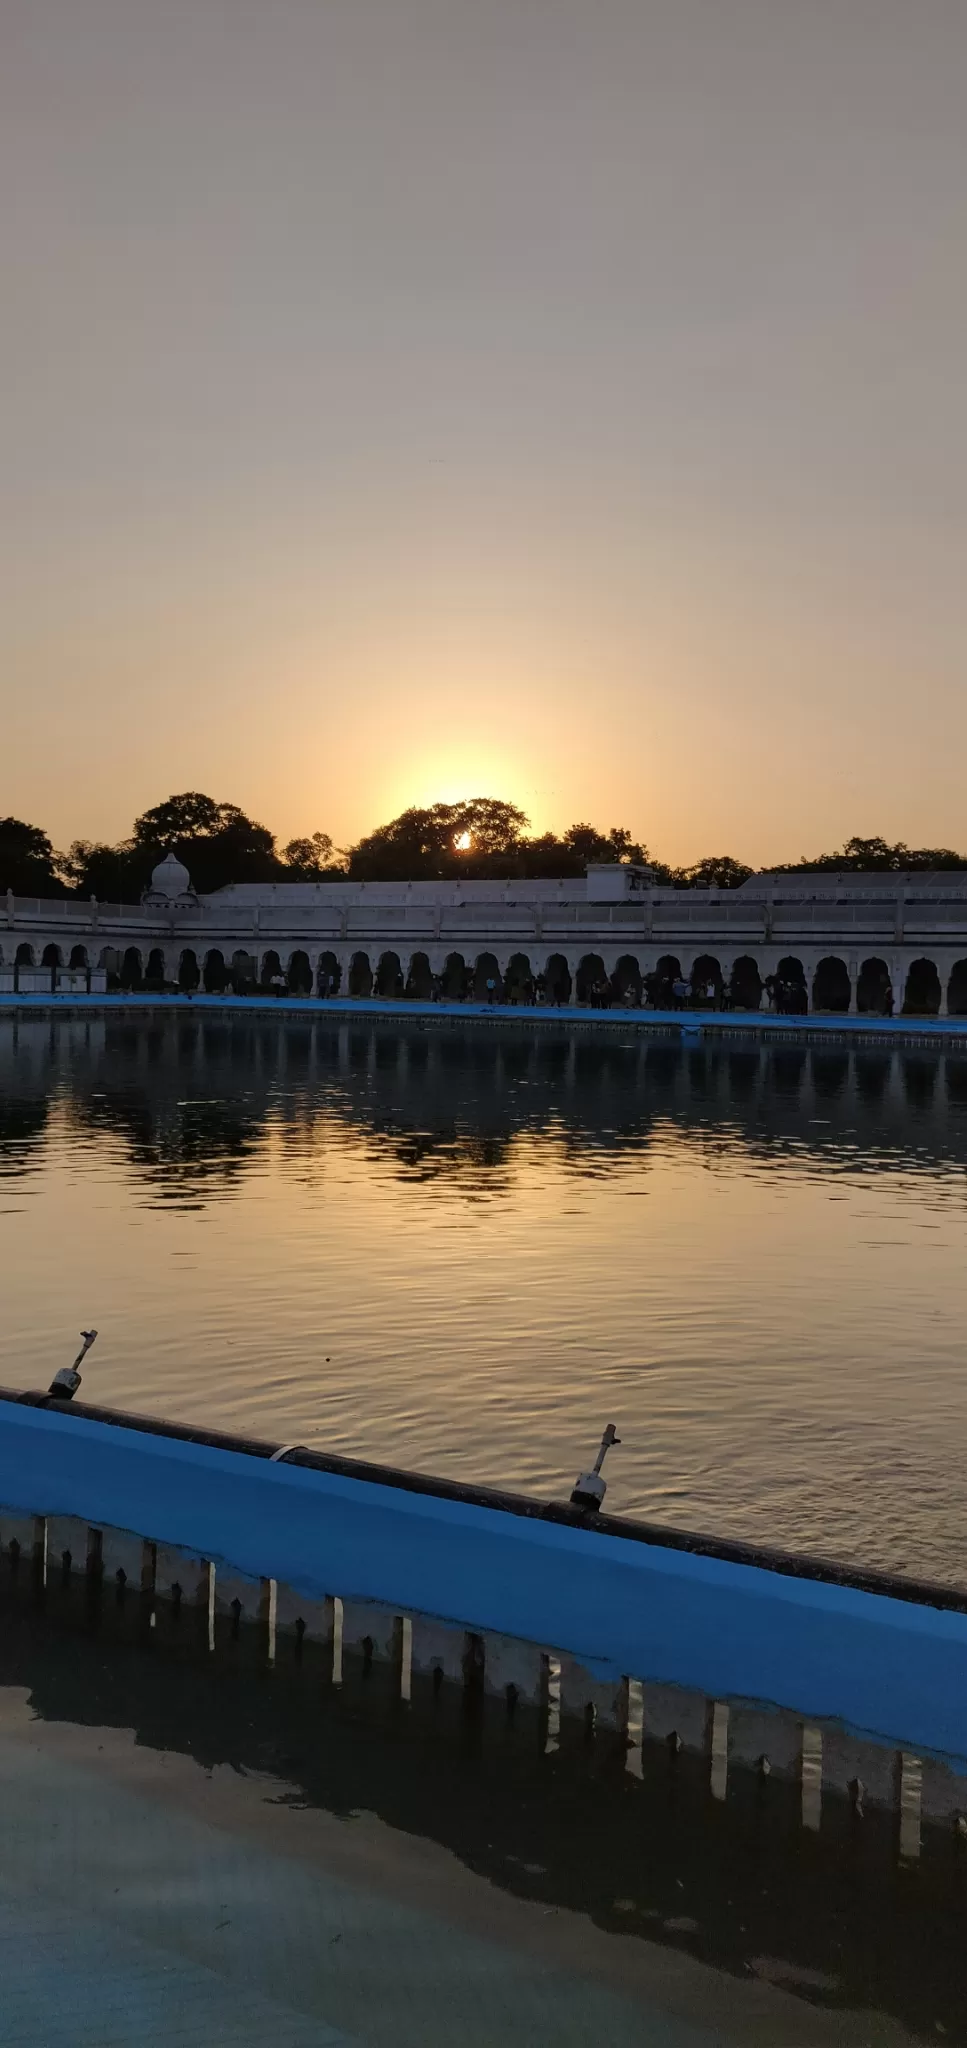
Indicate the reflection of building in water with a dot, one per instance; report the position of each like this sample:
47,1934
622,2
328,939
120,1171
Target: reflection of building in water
739,1887
195,1096
835,942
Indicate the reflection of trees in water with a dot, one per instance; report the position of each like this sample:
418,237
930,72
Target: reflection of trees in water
428,1156
175,1147
23,1123
422,1155
196,1101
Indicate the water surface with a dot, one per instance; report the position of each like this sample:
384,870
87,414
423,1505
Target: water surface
466,1249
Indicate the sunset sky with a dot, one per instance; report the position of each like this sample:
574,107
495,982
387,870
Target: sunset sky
555,399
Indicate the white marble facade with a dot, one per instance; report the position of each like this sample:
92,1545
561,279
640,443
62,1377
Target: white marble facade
847,941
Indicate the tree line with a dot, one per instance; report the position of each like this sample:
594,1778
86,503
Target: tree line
481,838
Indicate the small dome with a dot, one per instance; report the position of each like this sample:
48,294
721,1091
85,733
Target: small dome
170,878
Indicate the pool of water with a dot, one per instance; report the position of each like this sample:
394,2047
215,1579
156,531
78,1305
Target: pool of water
466,1249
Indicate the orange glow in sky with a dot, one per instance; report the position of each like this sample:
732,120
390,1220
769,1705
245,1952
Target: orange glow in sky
412,401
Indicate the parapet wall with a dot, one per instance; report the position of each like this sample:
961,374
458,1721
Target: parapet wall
780,1664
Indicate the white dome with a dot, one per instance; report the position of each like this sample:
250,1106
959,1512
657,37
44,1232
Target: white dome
170,878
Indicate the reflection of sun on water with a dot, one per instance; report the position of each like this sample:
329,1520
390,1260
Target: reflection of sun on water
463,842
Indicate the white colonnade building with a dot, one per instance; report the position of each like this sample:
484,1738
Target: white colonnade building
845,941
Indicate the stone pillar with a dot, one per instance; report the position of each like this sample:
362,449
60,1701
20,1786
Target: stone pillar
852,968
898,978
943,975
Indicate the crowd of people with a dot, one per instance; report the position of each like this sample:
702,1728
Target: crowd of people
667,990
657,991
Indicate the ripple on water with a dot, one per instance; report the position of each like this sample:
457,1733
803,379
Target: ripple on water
439,1254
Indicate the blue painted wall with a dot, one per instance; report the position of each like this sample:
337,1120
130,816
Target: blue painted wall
886,1667
930,1028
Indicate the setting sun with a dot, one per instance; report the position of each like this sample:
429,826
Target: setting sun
463,842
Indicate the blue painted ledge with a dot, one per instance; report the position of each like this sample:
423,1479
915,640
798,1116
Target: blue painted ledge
886,1667
930,1028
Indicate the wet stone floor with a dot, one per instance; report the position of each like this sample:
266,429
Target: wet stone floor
199,1849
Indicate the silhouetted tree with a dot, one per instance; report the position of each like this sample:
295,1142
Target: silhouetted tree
115,874
306,860
28,863
189,816
877,856
594,847
479,838
548,858
217,842
424,843
717,871
482,837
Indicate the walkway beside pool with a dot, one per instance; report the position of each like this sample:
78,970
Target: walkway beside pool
690,1023
169,1878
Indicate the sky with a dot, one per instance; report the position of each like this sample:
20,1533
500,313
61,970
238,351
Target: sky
561,400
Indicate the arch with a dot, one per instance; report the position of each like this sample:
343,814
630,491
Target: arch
787,987
271,970
874,989
131,971
957,989
299,976
745,983
706,975
518,980
189,974
155,970
215,975
455,978
923,992
668,970
389,975
487,970
244,971
24,955
626,982
328,975
557,980
591,981
50,957
110,960
419,980
360,975
79,957
831,985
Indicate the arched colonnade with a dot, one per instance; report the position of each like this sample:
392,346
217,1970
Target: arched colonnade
832,982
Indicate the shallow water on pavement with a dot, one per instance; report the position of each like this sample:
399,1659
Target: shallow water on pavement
197,1848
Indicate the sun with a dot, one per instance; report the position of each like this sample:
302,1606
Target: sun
463,842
